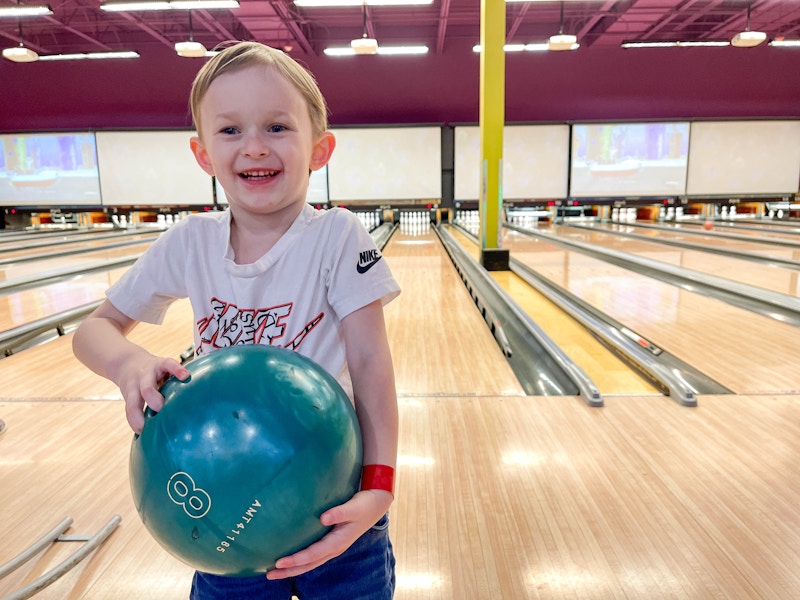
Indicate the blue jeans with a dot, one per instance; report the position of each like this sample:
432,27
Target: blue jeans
365,571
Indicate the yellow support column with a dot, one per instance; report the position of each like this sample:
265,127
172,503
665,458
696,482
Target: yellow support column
492,120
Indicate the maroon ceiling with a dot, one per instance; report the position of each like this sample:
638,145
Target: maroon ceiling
598,81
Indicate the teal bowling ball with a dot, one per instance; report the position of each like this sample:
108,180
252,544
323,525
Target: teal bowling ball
237,467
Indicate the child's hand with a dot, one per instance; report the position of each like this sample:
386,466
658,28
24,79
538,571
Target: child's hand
350,521
139,382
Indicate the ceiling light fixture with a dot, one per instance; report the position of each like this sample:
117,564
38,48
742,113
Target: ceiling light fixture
147,5
676,44
537,47
786,43
706,43
24,11
364,44
382,50
203,4
134,6
20,54
91,55
190,48
649,44
341,3
561,41
748,39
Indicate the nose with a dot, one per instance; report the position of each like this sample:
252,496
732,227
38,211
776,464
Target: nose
255,145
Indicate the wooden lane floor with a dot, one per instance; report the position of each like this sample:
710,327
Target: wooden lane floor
746,352
18,308
768,277
710,239
497,497
51,371
81,242
746,228
421,323
22,307
434,309
23,269
605,369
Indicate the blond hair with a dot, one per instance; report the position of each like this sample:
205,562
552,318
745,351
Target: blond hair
246,54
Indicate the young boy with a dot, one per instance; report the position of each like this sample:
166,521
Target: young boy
270,270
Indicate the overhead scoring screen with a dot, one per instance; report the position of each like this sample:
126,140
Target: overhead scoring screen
150,168
629,159
49,170
384,164
535,162
741,157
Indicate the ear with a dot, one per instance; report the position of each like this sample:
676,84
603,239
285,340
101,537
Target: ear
322,151
201,155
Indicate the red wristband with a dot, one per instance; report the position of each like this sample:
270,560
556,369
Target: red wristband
377,477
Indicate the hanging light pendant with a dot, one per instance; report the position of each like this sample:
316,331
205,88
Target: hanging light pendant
20,53
561,41
364,44
190,48
747,38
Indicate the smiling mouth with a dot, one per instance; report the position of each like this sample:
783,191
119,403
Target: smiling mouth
257,175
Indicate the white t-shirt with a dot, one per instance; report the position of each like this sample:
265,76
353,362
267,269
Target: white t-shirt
323,268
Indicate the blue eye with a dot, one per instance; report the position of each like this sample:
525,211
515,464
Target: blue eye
229,130
276,128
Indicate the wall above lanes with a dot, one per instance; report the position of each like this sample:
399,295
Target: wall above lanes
588,84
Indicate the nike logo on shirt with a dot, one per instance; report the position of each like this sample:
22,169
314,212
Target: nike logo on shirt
367,260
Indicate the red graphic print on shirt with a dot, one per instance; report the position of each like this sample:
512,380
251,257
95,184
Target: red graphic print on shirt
230,325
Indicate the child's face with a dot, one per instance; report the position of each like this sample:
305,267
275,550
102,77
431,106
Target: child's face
257,139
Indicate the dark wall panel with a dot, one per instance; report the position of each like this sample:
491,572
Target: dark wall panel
587,84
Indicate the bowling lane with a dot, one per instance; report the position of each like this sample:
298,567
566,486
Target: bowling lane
743,229
768,277
709,239
48,241
70,261
28,305
51,371
743,351
30,251
440,343
606,370
434,310
42,301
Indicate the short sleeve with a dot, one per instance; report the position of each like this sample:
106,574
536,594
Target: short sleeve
357,273
155,280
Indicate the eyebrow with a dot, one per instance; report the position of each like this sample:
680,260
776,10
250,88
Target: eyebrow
273,116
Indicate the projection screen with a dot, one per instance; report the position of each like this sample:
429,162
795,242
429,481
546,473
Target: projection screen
386,164
150,168
744,157
49,169
535,162
629,159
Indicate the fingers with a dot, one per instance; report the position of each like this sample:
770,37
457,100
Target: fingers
349,520
144,390
337,514
332,545
173,367
135,416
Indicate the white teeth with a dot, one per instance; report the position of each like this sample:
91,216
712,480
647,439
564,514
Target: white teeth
250,174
